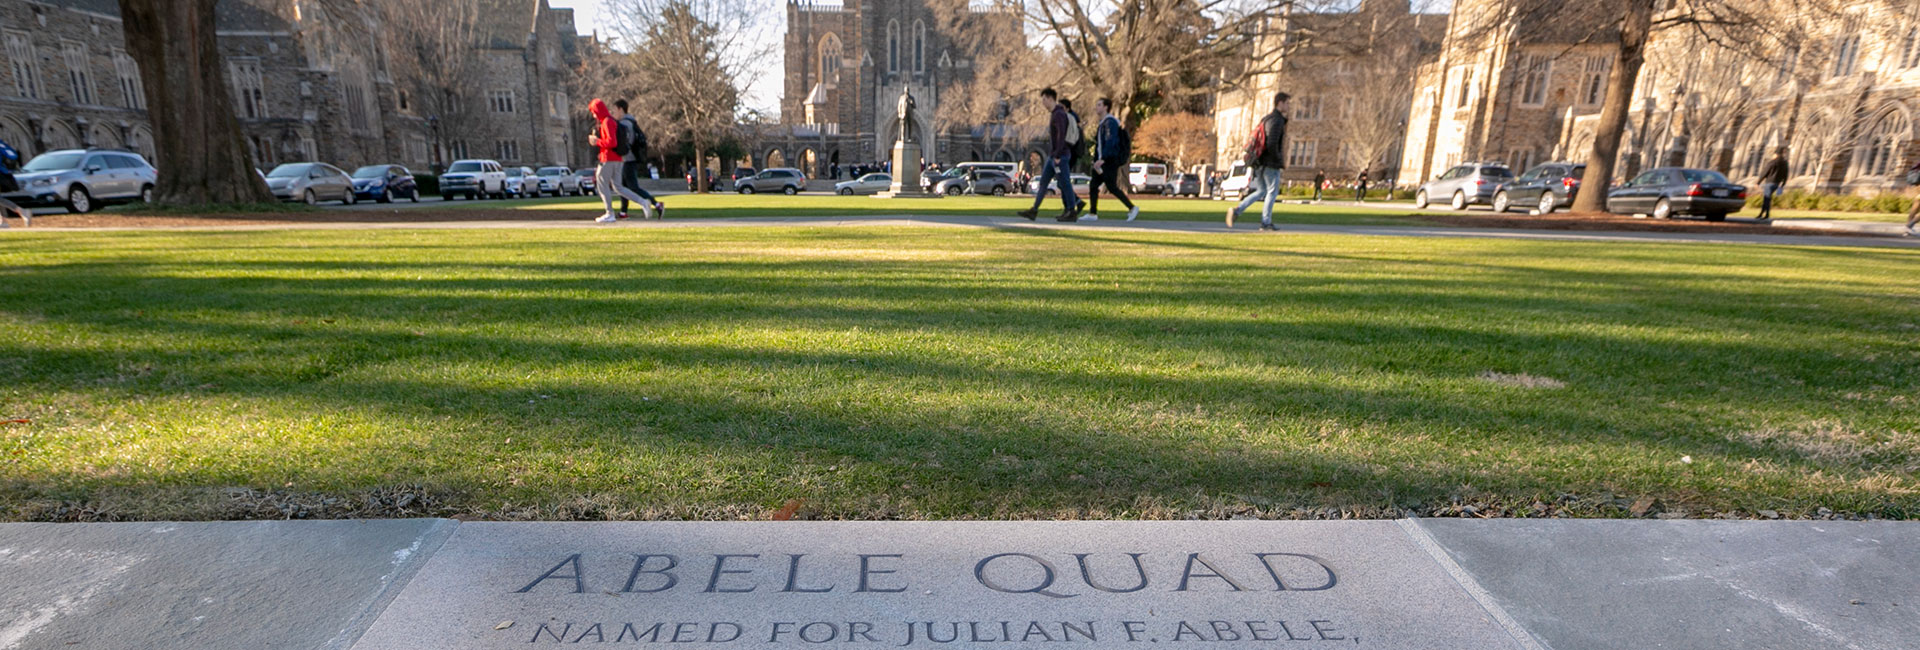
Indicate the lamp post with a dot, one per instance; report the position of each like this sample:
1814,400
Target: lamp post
433,123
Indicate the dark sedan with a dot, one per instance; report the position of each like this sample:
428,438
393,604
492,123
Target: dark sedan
1545,187
1669,191
384,183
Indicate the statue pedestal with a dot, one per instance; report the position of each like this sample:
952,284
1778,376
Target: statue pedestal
906,174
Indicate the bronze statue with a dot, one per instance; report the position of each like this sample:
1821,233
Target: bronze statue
907,128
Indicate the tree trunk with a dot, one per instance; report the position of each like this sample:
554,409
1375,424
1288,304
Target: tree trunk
700,168
1613,116
200,151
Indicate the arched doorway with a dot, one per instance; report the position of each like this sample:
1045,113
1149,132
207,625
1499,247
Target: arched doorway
104,136
15,133
775,158
61,135
1003,156
141,142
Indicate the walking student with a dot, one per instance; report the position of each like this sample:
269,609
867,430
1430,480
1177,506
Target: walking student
1360,188
1319,183
630,164
1913,213
1057,161
607,180
9,161
1264,163
1112,148
1773,176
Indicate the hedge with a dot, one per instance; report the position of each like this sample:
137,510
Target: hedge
1804,200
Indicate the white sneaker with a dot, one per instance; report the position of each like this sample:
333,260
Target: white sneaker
607,218
1912,233
1133,212
1088,217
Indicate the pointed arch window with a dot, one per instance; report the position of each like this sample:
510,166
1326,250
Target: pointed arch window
893,46
919,46
1884,143
830,58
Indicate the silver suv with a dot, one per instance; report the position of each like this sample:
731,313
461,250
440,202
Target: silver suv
1464,184
81,180
778,179
558,181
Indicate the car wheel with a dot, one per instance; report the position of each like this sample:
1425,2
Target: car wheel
746,189
999,190
471,196
349,198
386,195
953,190
146,193
790,190
78,200
415,195
1459,201
309,198
1663,210
1420,200
846,191
1547,203
1717,216
1501,202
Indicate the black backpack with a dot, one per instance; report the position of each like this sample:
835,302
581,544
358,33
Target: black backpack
639,144
622,139
1125,138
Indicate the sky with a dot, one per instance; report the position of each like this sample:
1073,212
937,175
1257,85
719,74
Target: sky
763,95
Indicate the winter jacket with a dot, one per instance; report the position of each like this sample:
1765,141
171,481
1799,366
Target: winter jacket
1057,133
636,139
1774,172
1269,144
8,158
605,131
1107,138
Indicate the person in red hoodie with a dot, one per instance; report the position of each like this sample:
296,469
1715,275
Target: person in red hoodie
606,136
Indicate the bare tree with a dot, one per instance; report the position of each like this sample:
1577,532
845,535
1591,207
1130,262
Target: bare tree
1177,137
1150,54
196,135
430,50
693,59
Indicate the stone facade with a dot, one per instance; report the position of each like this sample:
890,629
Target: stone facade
304,86
846,65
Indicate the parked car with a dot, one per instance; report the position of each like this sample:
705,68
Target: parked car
779,179
310,183
474,179
713,184
81,180
1003,167
929,179
1147,178
384,183
1080,184
742,173
1231,187
587,184
518,181
1546,187
1182,185
867,184
557,181
984,181
1464,184
1669,191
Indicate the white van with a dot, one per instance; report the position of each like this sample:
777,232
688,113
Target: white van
1147,178
1234,184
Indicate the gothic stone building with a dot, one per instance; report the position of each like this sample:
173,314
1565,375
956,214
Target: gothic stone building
304,86
846,65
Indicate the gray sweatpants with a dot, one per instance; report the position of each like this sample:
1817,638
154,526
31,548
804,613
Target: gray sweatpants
608,182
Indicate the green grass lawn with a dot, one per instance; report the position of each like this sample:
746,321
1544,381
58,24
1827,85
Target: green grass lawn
818,205
945,372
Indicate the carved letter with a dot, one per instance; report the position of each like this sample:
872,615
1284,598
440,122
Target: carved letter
713,632
598,637
720,568
1087,574
1133,629
793,578
866,569
639,567
1322,631
1189,574
579,583
1046,579
559,638
1281,586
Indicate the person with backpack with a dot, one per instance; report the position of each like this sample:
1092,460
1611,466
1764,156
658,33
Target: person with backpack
1773,176
1265,159
1113,148
607,179
636,151
1058,159
1360,188
9,161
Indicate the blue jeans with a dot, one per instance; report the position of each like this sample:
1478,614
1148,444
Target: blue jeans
1262,180
1057,169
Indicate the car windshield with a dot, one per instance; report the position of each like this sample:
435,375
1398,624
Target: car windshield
373,171
53,161
553,171
1702,176
464,167
288,171
516,173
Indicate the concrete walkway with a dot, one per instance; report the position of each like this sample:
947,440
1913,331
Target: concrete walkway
1115,226
1409,584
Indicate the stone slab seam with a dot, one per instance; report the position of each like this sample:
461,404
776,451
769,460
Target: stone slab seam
1479,594
405,568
